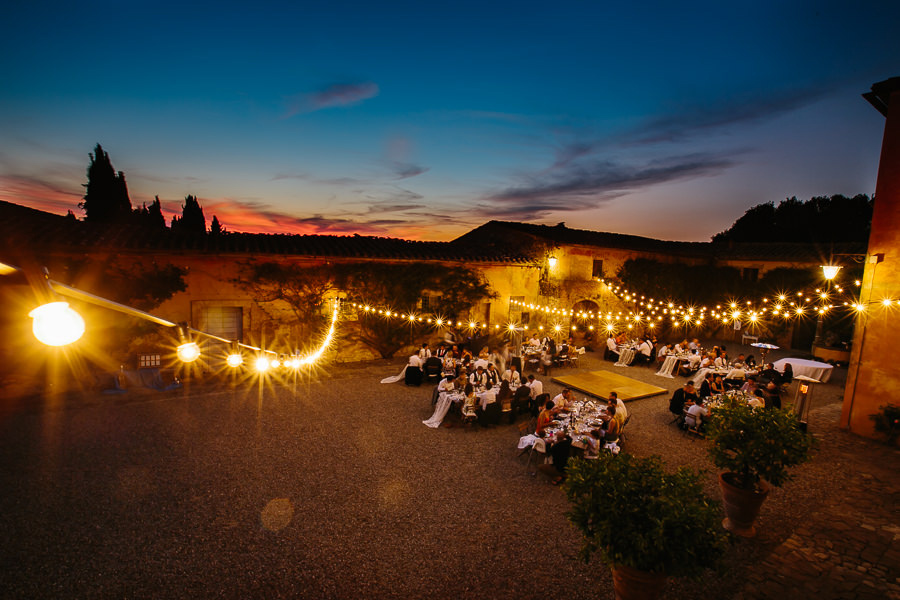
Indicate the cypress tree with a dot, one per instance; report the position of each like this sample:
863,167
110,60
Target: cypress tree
106,193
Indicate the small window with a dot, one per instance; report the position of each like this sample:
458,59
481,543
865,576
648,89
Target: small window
146,361
597,270
751,275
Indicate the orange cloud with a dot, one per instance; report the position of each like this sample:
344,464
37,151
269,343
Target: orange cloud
38,194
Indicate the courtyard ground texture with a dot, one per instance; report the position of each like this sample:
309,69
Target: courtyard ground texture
334,488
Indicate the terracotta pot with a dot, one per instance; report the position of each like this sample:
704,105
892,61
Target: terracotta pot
633,584
741,506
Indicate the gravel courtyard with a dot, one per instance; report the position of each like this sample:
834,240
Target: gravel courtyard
335,489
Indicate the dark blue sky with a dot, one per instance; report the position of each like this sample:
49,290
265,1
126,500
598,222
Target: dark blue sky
420,120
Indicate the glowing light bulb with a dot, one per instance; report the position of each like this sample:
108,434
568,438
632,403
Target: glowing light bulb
56,324
234,360
275,363
188,352
262,364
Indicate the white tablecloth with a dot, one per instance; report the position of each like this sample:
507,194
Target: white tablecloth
810,368
445,399
668,366
626,355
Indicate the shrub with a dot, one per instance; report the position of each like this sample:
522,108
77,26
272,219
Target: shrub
634,514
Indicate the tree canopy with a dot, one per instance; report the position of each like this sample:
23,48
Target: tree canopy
820,219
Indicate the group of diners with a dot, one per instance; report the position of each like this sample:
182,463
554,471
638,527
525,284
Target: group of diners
545,353
567,427
485,395
691,406
455,359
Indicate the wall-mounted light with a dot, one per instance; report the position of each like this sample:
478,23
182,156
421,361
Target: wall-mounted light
830,271
552,261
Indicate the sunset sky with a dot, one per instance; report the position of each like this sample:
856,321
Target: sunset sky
423,120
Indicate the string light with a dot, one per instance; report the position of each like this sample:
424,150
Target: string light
56,324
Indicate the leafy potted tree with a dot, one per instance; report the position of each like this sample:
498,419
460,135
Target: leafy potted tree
645,523
755,447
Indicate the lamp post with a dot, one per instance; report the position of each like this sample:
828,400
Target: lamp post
829,272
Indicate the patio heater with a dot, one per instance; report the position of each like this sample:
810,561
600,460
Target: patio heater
803,399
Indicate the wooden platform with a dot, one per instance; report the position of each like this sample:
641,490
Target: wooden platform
600,383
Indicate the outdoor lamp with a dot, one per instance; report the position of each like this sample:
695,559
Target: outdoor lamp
262,363
56,324
830,271
188,350
551,261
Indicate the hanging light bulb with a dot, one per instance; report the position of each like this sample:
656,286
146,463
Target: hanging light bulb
188,350
56,324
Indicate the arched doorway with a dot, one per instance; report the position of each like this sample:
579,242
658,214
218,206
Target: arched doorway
584,316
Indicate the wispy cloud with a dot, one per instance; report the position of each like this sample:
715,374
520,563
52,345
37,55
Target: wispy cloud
257,217
576,183
690,121
338,94
407,170
40,194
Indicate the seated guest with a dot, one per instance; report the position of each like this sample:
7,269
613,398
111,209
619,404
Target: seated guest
533,341
694,345
478,378
706,386
540,402
617,414
749,386
717,386
664,351
413,375
696,414
562,399
646,351
560,451
772,396
739,362
470,401
449,366
544,418
720,362
788,375
504,393
682,397
750,361
492,374
613,426
455,353
612,348
485,353
769,374
535,386
424,353
512,376
594,441
620,406
446,384
522,400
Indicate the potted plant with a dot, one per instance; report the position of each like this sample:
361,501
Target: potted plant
887,421
755,447
645,523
